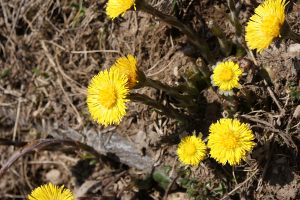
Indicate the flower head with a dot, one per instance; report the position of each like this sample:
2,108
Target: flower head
127,66
265,24
191,150
114,8
226,76
106,97
51,192
230,141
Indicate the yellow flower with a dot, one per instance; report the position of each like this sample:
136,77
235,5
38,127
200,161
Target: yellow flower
226,76
265,24
230,141
106,97
114,8
191,150
51,192
127,66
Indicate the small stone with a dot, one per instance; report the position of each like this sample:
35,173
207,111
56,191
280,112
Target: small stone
178,196
54,176
294,48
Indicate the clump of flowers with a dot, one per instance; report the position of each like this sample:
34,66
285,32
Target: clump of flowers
265,24
107,97
115,8
226,77
229,141
127,66
191,150
51,192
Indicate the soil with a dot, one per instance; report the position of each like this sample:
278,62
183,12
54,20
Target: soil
49,50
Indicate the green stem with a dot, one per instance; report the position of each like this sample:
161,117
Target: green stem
234,18
294,36
204,70
166,88
184,101
287,32
192,36
233,175
168,111
225,45
232,102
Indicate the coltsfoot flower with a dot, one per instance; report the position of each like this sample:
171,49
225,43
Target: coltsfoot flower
191,150
229,141
115,8
265,24
127,66
51,192
106,97
226,77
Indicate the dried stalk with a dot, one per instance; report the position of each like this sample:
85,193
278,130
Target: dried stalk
41,144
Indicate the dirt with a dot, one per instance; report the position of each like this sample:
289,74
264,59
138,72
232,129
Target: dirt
49,50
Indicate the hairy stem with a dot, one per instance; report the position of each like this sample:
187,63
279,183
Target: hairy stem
192,36
168,111
234,18
294,36
166,88
287,32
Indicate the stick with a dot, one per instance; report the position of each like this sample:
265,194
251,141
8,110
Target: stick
40,144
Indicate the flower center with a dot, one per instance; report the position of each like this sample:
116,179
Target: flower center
230,141
190,150
108,97
227,74
271,26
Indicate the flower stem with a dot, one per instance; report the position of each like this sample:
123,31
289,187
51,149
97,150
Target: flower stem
234,18
294,36
192,36
168,111
186,100
225,45
166,88
287,32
